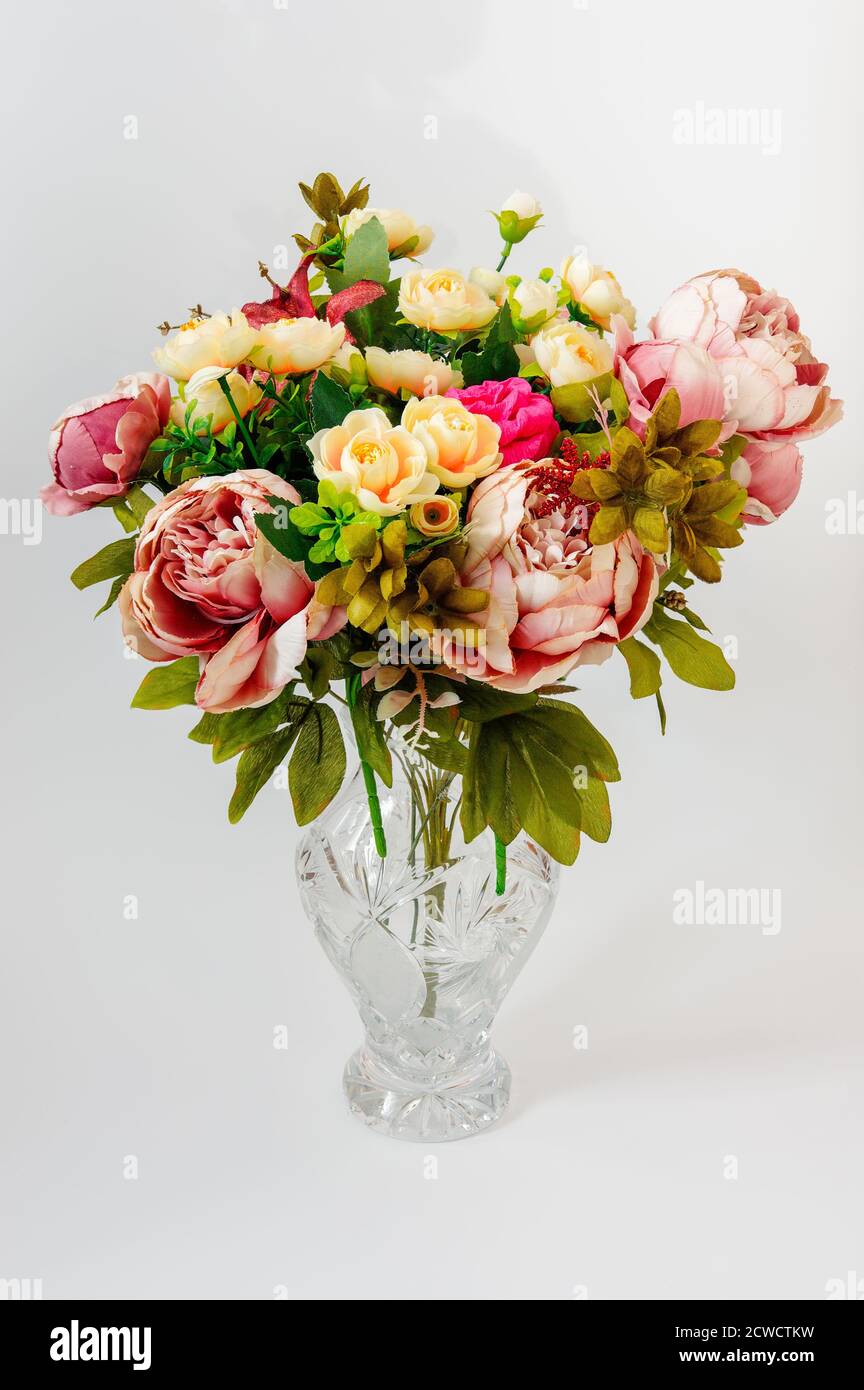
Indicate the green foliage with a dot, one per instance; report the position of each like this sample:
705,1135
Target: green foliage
540,770
167,686
644,667
326,520
328,202
317,765
114,560
329,403
257,764
369,733
497,359
366,255
692,658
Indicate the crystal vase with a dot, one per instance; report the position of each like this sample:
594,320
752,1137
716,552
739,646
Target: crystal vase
427,945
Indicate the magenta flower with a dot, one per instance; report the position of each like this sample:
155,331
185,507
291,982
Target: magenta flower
525,417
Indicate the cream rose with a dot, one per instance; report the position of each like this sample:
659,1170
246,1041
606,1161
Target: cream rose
523,204
416,372
567,353
399,227
210,399
445,301
223,340
532,303
296,345
596,290
492,281
384,466
460,446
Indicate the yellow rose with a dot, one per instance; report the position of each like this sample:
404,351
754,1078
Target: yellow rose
382,465
568,353
438,516
210,400
223,340
296,345
596,290
397,224
445,301
416,372
460,446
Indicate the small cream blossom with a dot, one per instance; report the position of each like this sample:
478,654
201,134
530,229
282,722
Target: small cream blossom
222,340
443,300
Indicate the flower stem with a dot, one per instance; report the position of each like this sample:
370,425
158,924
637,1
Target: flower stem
500,866
352,685
505,252
241,423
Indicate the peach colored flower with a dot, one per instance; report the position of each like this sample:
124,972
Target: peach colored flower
222,340
567,353
554,601
296,345
211,409
460,446
445,301
597,290
206,583
406,370
437,516
98,445
384,466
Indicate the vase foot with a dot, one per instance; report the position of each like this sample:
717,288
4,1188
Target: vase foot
393,1106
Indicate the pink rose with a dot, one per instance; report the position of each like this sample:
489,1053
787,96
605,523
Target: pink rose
775,386
555,602
525,417
647,370
208,584
771,473
98,445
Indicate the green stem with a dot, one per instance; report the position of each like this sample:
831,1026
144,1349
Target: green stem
500,866
352,686
241,423
508,247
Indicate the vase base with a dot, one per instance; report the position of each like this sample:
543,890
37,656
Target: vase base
455,1111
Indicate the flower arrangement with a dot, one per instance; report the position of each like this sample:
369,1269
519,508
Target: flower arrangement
432,497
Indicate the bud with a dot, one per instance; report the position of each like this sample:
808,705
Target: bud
518,216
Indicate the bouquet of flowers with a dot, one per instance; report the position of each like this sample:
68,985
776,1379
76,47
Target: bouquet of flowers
432,497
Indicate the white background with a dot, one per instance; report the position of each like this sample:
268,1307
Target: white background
154,1037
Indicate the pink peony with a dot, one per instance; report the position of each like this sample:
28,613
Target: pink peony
647,370
771,473
208,584
775,387
554,601
98,445
525,417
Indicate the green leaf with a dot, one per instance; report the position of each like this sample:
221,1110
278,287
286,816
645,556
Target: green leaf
369,733
497,359
644,667
367,257
691,657
242,727
282,534
585,745
124,515
328,402
575,403
596,813
317,765
256,766
207,728
113,595
168,686
479,703
140,503
661,710
115,559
